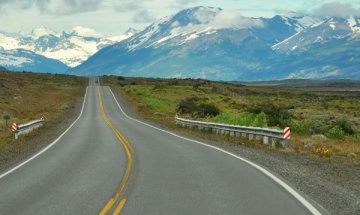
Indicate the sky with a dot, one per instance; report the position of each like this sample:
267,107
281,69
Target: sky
114,17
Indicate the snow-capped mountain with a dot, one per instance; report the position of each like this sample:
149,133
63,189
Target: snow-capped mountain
20,60
212,43
333,28
3,68
196,22
71,48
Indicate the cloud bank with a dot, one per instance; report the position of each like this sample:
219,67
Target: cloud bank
337,9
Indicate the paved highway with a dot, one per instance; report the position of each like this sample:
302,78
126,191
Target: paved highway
109,163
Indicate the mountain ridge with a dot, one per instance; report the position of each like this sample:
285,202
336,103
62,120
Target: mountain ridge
72,48
24,60
205,43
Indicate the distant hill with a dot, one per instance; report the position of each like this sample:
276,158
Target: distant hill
3,68
211,43
22,60
343,83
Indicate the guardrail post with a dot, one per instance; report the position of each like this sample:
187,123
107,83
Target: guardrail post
16,135
273,142
284,143
227,133
265,140
251,136
257,137
222,132
232,133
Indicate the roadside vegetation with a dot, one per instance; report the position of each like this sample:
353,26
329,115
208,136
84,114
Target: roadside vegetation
325,123
29,96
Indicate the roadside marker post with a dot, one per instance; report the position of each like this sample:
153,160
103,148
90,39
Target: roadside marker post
287,133
14,129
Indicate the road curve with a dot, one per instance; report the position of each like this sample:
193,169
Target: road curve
108,162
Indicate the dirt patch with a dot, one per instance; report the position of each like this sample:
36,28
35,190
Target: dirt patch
332,183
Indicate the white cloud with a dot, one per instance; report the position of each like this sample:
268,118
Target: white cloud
54,7
143,16
231,19
337,9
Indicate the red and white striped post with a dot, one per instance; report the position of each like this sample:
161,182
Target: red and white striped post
14,129
287,133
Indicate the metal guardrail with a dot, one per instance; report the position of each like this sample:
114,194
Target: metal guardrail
266,135
28,127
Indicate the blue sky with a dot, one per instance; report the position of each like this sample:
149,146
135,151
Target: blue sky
113,17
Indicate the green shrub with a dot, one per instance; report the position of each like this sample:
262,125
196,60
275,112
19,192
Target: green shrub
187,106
260,120
277,116
244,119
345,126
158,86
336,133
208,110
300,127
157,104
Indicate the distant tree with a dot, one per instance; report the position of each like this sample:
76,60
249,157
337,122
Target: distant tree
6,117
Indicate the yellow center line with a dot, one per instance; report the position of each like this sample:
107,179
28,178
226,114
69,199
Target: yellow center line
128,150
119,207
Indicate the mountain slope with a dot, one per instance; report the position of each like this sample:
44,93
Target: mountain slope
3,68
23,60
72,48
200,42
212,43
332,29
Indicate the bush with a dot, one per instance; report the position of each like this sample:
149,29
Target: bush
345,126
173,83
245,119
300,127
120,78
260,120
210,110
158,86
335,133
277,116
188,105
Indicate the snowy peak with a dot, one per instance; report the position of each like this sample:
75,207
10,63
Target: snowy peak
41,31
131,31
194,23
71,48
354,23
85,32
333,28
195,16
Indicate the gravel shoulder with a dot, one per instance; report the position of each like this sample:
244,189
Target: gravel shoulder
35,141
332,184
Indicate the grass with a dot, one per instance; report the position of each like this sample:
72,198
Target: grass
28,96
334,115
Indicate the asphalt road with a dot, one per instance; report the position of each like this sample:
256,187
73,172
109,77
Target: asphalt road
107,162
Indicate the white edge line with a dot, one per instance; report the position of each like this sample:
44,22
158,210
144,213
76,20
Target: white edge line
301,199
49,146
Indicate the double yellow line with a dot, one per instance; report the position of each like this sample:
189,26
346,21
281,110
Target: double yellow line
128,151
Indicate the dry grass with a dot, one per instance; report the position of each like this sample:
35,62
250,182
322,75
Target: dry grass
316,112
29,96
